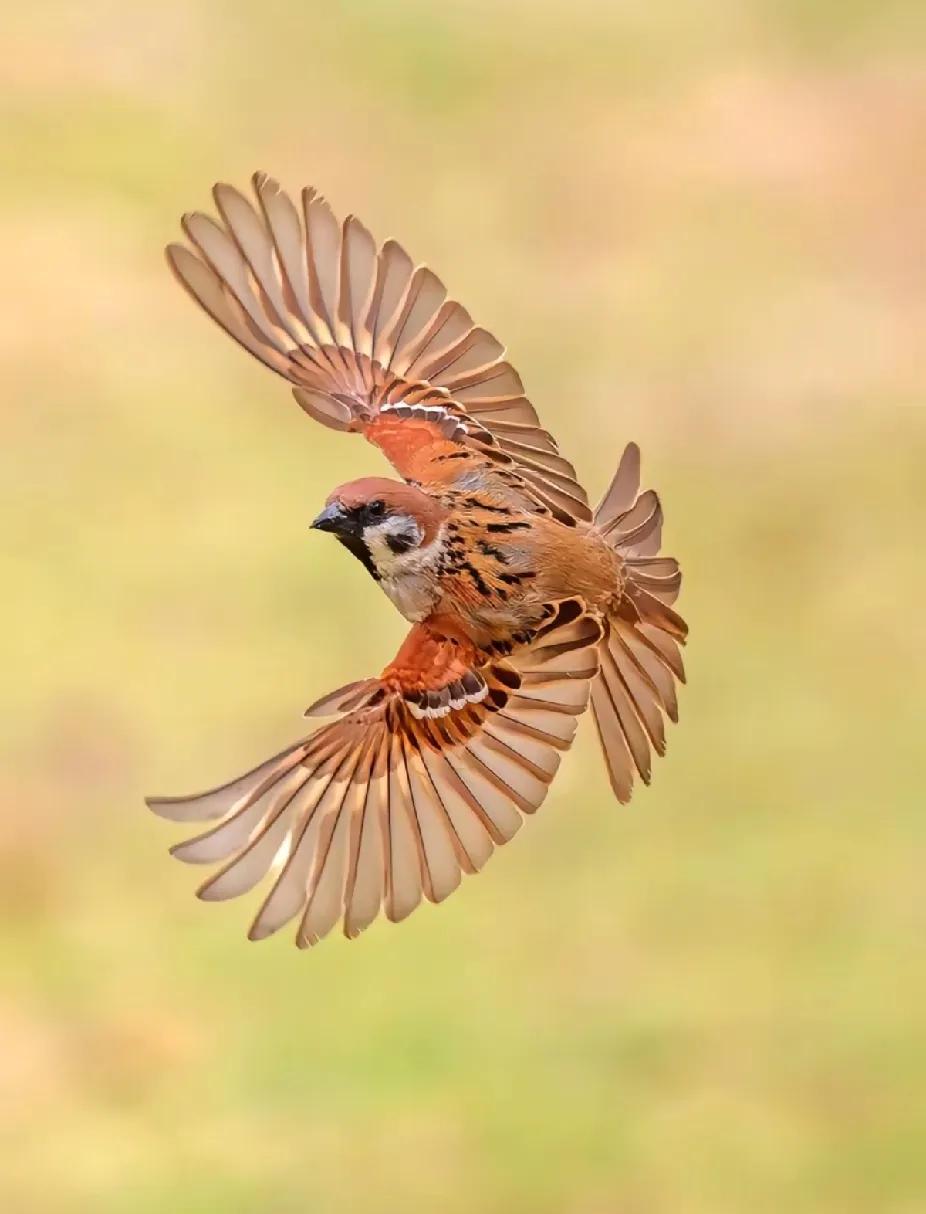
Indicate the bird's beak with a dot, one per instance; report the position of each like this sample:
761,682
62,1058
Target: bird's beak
335,518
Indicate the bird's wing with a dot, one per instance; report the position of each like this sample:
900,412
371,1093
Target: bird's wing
429,769
370,342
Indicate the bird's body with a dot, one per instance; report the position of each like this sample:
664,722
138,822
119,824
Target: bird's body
523,604
485,562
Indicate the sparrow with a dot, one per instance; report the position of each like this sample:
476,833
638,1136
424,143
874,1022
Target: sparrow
525,605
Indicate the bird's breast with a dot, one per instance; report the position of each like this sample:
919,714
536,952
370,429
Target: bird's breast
414,594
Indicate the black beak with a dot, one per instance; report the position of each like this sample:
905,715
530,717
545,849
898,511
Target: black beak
335,518
347,527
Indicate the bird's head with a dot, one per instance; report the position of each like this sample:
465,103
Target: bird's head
384,523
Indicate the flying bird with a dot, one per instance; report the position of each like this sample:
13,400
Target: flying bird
524,604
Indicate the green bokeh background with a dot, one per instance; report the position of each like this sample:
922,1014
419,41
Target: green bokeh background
700,226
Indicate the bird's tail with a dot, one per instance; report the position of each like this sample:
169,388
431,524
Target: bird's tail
640,651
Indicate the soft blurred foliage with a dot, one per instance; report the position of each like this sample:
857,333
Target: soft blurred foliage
700,226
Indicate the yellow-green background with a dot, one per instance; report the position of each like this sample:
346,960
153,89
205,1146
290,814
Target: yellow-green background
702,226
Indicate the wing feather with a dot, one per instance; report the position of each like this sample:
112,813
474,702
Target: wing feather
474,826
366,879
236,830
439,852
288,893
323,896
406,864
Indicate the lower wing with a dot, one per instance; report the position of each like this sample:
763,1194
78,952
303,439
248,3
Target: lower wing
419,781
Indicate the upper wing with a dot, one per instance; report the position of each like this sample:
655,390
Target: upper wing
428,770
370,342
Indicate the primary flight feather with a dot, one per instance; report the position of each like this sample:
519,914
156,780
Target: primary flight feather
525,605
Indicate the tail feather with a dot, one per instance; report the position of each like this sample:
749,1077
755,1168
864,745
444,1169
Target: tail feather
661,576
623,490
640,651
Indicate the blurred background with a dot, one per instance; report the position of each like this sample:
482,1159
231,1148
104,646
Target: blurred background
699,226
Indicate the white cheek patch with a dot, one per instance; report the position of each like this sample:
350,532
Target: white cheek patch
392,542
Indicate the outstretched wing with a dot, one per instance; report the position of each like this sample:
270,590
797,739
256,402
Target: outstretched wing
428,771
370,342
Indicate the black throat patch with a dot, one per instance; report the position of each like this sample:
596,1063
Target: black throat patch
355,544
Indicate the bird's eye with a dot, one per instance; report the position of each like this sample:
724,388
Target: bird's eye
376,509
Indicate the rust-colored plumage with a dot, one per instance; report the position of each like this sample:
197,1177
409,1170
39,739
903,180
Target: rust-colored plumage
525,605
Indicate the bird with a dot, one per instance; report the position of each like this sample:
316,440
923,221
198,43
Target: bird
525,605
